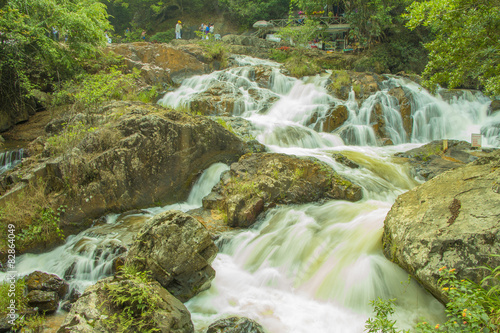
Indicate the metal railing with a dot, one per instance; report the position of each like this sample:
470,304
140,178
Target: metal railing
281,23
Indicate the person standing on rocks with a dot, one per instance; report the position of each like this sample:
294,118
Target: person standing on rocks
178,28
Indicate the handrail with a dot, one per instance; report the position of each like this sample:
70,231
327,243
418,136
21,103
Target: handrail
281,23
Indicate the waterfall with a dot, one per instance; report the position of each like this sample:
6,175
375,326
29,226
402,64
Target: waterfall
9,159
88,256
312,267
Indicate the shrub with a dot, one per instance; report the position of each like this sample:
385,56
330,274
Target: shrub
135,300
471,308
163,36
299,66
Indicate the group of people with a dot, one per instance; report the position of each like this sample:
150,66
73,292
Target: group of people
206,29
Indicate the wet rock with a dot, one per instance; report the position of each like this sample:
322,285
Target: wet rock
74,295
341,82
260,181
345,161
45,301
333,119
431,159
95,308
218,99
235,325
451,220
494,107
404,101
46,282
178,250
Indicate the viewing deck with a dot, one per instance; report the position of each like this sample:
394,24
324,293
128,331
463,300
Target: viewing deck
333,23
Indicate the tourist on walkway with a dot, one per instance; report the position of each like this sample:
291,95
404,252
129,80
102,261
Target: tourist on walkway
178,29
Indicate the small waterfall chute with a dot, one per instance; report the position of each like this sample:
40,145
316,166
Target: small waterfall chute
10,159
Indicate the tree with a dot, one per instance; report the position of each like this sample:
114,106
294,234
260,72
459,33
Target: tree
248,11
466,48
45,40
368,19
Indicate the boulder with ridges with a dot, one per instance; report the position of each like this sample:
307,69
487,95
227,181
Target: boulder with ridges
96,310
178,250
451,220
262,180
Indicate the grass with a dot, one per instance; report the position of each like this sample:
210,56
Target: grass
36,221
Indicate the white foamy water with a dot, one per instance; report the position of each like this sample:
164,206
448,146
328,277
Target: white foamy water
313,267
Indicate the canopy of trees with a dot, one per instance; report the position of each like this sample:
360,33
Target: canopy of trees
466,48
41,40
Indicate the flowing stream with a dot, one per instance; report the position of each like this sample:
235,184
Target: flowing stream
310,267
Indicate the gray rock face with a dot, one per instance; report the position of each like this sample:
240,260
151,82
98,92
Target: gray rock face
259,181
94,309
178,250
235,325
452,220
431,159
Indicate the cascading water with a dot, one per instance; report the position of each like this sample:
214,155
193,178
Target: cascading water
88,256
311,267
9,159
316,267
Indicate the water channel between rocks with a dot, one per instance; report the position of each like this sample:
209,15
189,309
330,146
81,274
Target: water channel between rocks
303,268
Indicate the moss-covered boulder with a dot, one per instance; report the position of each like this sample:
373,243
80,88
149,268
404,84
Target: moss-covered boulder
451,220
263,180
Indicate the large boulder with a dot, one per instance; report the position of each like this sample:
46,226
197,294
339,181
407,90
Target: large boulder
235,325
140,155
178,250
451,220
46,282
159,63
97,311
262,180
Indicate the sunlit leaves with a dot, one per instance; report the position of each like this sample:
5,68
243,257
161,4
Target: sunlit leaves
466,50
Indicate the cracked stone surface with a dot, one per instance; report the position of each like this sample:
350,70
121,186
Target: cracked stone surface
452,220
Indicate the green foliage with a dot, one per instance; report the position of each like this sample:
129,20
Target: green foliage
215,50
301,37
69,138
225,125
88,91
247,12
95,89
340,78
464,52
280,54
32,56
6,296
300,65
148,95
163,36
44,227
136,301
469,307
381,323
